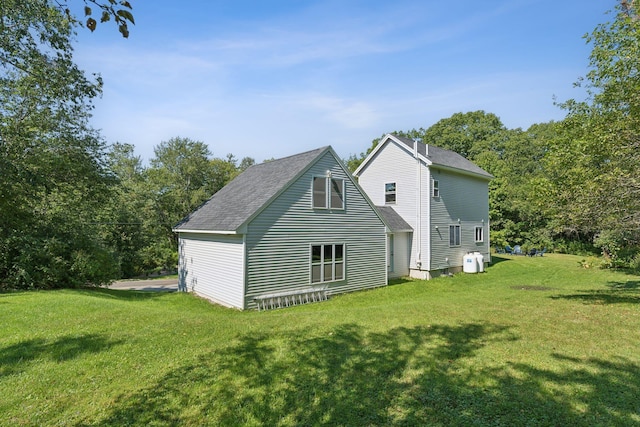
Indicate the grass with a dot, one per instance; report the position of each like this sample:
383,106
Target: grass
533,341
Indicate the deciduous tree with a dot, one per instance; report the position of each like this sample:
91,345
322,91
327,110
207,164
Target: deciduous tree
596,181
52,177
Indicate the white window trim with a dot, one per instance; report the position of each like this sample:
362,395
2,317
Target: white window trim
459,240
435,188
323,263
342,192
479,229
328,188
394,192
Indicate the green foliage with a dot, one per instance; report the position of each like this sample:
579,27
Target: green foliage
52,179
122,217
596,182
147,202
468,134
118,10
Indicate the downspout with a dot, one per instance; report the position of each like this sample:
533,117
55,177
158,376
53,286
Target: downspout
489,238
429,254
418,207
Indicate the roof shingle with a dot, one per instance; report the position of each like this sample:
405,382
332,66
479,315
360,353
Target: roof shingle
249,192
442,157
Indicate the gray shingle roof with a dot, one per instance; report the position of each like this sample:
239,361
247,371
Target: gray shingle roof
441,157
393,219
248,193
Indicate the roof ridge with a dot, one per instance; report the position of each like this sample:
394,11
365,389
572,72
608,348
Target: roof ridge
292,155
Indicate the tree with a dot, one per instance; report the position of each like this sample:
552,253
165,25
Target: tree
52,176
121,218
181,177
595,166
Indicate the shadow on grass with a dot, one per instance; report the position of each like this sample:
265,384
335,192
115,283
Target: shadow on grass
619,292
405,376
400,281
120,294
497,259
15,358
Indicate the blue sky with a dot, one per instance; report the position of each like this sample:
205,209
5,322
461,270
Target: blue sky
273,78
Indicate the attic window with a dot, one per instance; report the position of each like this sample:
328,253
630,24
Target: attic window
328,193
390,193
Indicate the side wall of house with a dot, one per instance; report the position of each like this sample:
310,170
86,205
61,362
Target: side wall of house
393,164
461,198
212,266
280,238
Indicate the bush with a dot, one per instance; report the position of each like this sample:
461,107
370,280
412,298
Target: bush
49,262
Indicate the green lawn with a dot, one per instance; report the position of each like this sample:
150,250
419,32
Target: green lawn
533,341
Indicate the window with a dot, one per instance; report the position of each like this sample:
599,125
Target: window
337,193
390,193
454,235
319,192
327,263
328,192
436,188
479,234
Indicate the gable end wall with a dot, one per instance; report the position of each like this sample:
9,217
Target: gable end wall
280,237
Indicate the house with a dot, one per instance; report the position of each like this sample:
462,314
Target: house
285,232
443,197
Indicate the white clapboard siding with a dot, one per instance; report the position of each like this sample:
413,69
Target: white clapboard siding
394,163
212,266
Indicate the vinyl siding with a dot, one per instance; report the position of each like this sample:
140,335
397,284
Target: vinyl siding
461,196
212,266
279,239
464,198
395,164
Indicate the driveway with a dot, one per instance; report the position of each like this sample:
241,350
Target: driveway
156,285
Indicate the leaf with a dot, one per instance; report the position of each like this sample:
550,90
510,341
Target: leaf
126,15
105,16
91,24
126,4
87,11
124,30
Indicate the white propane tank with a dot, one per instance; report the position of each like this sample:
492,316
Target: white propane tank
480,260
469,263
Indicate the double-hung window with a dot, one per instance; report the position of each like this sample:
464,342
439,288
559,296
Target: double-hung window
436,188
328,193
327,263
390,193
454,235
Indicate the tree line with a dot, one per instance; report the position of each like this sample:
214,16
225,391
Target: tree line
75,210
